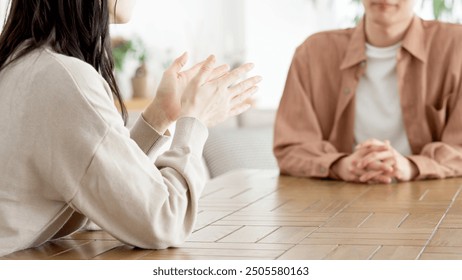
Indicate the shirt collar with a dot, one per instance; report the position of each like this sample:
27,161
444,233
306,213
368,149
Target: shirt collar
413,42
356,49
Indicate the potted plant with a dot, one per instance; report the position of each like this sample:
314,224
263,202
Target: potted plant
441,7
124,50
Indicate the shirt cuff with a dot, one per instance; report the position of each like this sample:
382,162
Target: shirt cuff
147,137
191,133
425,166
323,168
332,174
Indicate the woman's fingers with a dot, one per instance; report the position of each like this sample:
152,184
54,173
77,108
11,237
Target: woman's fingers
179,63
216,73
234,75
219,71
193,71
206,70
244,96
244,85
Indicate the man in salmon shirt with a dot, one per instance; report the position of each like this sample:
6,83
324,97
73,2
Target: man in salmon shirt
378,103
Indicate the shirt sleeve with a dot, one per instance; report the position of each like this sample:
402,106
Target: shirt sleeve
443,159
299,146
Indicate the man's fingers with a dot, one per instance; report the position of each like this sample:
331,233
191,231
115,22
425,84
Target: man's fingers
370,143
368,176
366,150
239,109
381,179
385,166
357,172
375,157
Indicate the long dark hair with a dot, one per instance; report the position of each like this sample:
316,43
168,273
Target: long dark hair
77,28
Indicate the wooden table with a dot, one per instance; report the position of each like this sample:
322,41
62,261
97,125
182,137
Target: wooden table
255,214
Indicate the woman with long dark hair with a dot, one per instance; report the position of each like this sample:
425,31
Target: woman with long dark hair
65,153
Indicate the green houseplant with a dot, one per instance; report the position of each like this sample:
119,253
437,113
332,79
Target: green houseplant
124,50
441,6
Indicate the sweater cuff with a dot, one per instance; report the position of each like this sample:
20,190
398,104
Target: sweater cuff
147,137
191,133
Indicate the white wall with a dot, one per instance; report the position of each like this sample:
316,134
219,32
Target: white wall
265,32
201,27
273,30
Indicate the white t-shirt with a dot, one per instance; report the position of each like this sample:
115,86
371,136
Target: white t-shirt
378,111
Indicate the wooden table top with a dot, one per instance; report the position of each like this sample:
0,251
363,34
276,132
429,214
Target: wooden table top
256,214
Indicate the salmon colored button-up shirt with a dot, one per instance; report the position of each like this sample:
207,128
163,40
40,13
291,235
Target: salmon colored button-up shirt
315,119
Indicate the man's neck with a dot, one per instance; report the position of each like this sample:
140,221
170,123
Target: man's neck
384,36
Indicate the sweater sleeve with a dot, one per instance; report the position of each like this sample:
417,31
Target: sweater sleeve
142,204
103,171
299,146
147,138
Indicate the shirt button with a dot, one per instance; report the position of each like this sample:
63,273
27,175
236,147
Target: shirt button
322,170
346,91
363,64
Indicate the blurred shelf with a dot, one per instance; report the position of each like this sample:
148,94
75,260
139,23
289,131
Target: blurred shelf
137,104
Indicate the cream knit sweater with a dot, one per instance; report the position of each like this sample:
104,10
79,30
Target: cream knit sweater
65,155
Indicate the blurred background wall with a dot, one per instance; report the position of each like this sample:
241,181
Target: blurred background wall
265,32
